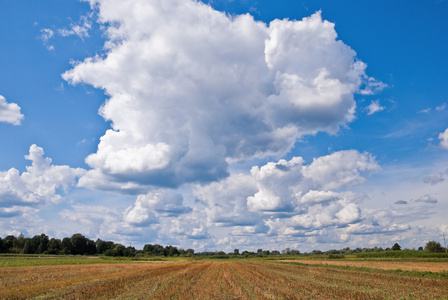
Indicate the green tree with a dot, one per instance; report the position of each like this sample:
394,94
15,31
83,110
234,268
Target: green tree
236,251
118,250
396,247
66,246
43,244
103,246
54,246
433,246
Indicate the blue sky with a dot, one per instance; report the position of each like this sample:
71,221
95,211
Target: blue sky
225,124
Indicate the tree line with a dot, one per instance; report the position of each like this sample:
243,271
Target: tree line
78,244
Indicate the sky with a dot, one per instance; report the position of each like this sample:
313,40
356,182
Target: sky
217,125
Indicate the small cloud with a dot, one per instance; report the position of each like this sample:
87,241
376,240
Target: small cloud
81,29
401,202
374,107
9,112
46,35
427,199
425,111
372,86
444,139
441,107
435,178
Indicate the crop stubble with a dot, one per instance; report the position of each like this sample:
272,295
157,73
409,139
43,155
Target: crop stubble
211,280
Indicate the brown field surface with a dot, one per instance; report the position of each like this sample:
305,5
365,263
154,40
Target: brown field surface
431,266
211,280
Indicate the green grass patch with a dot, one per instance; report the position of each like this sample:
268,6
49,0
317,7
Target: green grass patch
25,260
402,254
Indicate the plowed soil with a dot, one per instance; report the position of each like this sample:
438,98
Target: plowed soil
211,280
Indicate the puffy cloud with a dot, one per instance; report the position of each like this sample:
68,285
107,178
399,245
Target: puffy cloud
340,169
318,216
192,89
41,183
278,185
160,203
427,199
444,139
436,178
9,112
374,107
288,197
226,201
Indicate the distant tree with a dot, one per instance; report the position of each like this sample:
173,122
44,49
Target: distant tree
27,249
294,252
79,243
31,245
43,243
275,252
54,246
286,251
396,247
103,246
420,248
8,242
118,250
19,242
66,246
433,246
129,251
190,252
236,251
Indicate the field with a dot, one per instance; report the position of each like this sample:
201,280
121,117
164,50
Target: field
205,279
384,264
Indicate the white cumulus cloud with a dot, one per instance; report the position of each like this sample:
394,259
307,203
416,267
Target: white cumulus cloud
192,89
289,195
41,183
10,112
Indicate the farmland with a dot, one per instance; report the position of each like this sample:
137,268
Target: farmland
206,279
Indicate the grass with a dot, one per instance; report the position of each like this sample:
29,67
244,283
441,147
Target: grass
25,260
203,279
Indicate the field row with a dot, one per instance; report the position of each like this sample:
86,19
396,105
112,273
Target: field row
211,280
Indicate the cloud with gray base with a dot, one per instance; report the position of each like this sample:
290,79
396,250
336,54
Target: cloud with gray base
10,112
41,183
192,90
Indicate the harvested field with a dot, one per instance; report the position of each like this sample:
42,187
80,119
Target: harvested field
211,280
381,264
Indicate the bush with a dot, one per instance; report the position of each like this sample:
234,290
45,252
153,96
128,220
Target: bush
433,247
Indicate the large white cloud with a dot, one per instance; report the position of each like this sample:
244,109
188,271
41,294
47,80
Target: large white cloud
10,112
192,89
41,183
